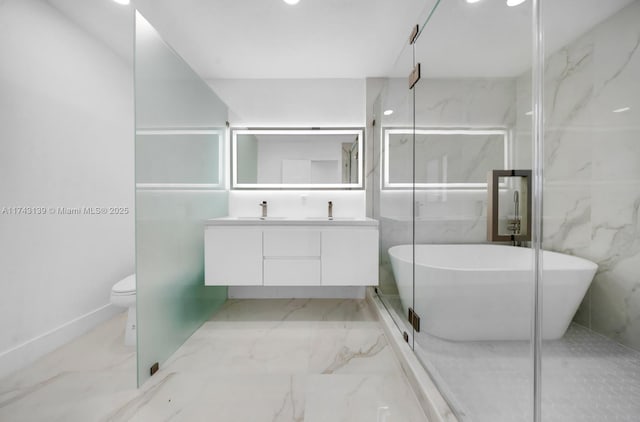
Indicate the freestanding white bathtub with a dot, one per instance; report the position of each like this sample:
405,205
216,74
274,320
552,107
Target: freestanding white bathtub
485,292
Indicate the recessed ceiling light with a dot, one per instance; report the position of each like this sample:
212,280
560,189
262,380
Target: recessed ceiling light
473,1
513,3
124,2
621,110
292,2
388,112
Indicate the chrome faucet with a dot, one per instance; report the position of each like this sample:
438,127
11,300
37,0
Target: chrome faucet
514,224
263,204
330,210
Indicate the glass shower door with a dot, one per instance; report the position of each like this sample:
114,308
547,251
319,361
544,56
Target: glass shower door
394,132
473,297
393,178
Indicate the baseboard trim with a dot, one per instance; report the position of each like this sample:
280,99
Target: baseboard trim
433,404
31,350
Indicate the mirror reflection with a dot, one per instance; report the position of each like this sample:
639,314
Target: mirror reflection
297,158
443,157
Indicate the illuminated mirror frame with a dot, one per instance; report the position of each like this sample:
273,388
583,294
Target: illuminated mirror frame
189,186
359,132
408,131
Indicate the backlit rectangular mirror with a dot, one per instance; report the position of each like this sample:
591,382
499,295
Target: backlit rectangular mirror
297,158
444,158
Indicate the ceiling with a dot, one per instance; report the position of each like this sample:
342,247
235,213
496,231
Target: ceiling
490,39
343,38
270,39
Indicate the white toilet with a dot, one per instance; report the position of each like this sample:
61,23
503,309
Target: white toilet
123,294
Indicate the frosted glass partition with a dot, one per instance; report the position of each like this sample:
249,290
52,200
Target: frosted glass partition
180,129
180,157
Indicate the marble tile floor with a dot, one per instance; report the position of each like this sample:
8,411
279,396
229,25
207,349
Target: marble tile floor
81,381
586,377
255,360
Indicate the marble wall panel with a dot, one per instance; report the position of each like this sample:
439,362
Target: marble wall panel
442,216
592,166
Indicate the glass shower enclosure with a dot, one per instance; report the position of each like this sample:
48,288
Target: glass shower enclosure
515,124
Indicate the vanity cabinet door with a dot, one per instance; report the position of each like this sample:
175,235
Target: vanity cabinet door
350,257
232,257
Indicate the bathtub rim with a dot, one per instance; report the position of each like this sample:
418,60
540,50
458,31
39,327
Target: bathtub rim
588,265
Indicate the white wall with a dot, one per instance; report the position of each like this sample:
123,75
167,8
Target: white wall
66,124
297,203
295,103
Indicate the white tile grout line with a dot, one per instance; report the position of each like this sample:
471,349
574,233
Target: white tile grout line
429,397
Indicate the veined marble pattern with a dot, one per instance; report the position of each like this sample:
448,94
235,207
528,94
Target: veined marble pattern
567,219
442,216
592,166
448,102
444,157
255,360
465,102
81,381
568,95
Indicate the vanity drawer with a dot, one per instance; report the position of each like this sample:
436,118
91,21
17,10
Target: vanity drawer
292,272
286,243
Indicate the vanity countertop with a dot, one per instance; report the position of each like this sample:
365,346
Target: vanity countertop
285,221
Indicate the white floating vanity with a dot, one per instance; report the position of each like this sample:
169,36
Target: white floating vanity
291,252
